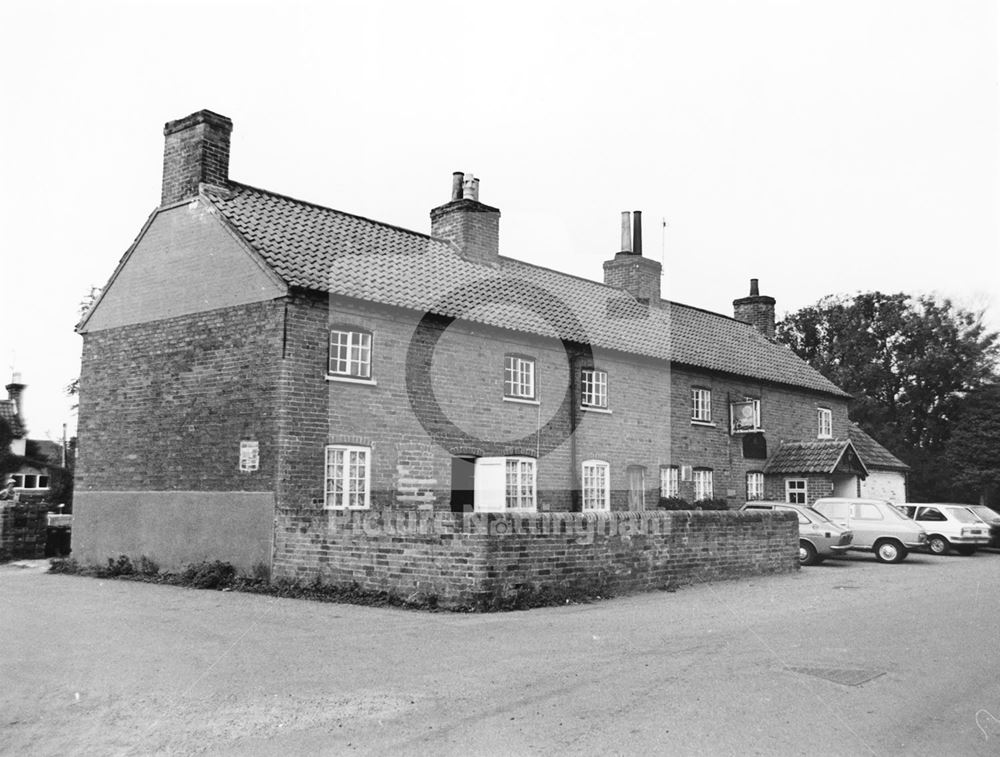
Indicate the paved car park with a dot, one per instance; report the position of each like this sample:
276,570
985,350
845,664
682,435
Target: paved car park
849,657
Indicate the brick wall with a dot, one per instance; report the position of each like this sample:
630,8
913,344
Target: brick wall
23,530
164,405
474,560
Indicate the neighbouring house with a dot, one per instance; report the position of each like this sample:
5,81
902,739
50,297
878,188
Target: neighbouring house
886,473
258,368
36,458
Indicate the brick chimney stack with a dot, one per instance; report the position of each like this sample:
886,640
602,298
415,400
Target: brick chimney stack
757,310
196,150
474,228
629,270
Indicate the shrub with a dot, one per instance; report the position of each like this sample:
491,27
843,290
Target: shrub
120,567
147,567
64,565
209,575
711,504
673,503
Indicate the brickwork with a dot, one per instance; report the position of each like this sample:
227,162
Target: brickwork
472,560
196,149
472,226
635,274
164,405
23,530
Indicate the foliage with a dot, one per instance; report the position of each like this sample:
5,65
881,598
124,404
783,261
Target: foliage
907,361
718,503
209,575
9,462
673,503
973,451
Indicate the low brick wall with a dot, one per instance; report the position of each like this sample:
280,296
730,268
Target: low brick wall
23,528
481,559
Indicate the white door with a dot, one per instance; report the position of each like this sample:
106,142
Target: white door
491,484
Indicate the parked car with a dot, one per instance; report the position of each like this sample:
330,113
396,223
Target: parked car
992,517
949,526
877,526
819,537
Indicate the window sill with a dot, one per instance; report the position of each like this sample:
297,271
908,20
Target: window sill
520,401
748,431
589,409
351,380
707,424
824,437
346,509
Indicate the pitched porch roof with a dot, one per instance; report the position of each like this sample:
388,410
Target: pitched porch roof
816,457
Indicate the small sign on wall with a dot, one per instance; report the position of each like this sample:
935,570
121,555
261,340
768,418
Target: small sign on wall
249,456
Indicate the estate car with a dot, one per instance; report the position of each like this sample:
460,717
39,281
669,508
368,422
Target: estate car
877,526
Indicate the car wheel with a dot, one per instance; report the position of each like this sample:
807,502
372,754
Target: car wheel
938,545
890,550
966,549
807,553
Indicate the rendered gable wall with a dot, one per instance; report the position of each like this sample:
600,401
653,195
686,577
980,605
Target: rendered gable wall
186,262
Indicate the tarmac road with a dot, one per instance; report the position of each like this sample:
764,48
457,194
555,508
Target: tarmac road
848,658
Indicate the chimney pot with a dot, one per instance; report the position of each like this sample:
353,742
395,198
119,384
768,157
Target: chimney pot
754,288
456,185
637,232
470,188
626,231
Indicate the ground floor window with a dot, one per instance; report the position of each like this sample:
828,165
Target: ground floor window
348,477
703,488
795,491
670,481
755,486
520,483
596,489
30,481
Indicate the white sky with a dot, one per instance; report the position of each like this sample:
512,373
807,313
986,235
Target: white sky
822,146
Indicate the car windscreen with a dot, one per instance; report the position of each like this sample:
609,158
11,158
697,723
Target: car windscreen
816,516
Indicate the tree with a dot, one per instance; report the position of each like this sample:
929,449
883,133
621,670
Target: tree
973,451
908,362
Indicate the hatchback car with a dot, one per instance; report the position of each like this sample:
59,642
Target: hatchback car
819,538
949,526
877,526
992,517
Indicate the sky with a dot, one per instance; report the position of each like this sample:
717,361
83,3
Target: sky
821,146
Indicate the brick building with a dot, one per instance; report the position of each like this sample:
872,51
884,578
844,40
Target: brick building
256,360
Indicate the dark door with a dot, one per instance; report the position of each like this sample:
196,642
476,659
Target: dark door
463,484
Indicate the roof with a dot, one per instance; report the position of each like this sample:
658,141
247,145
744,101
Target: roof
8,412
48,451
329,251
874,454
814,457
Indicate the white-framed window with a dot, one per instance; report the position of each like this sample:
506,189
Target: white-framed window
519,377
701,405
744,416
30,481
670,485
703,488
350,354
596,485
348,477
795,491
594,388
520,483
824,423
755,486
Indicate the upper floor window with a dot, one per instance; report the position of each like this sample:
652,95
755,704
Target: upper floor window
703,488
594,388
520,483
824,423
701,405
596,485
755,486
670,481
519,377
350,354
348,477
745,416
